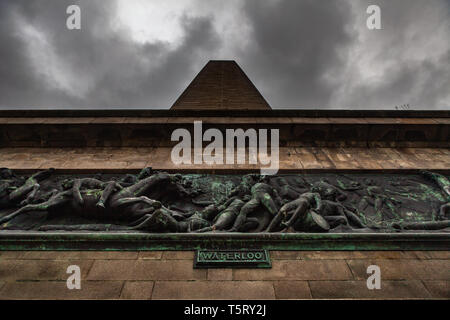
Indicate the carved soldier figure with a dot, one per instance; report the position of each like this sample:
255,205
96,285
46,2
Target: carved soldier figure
131,179
384,205
163,202
444,184
327,191
245,187
300,214
228,213
336,213
444,211
14,191
285,190
262,195
8,183
92,198
91,184
330,207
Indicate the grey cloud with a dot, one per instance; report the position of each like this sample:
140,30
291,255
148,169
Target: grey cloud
296,43
118,71
411,56
19,84
302,54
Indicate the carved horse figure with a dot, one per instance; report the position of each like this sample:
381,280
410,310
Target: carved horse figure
120,205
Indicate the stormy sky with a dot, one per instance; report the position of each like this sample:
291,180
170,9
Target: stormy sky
299,54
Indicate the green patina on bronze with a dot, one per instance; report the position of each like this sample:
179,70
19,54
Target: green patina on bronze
10,240
159,202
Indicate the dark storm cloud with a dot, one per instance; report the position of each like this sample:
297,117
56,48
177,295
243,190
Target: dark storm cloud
411,56
19,84
314,54
304,54
295,45
106,68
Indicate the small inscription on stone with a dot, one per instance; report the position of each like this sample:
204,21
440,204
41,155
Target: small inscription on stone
255,258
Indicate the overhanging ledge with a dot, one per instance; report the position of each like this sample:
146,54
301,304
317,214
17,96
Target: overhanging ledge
13,240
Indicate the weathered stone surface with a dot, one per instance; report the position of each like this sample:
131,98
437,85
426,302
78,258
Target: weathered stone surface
298,270
58,290
178,255
145,270
159,158
213,290
402,269
438,288
292,290
286,255
65,255
152,255
431,270
11,254
342,255
358,289
220,274
296,275
221,85
41,269
433,254
137,290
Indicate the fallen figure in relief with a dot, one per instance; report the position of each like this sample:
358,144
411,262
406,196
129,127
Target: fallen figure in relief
163,202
